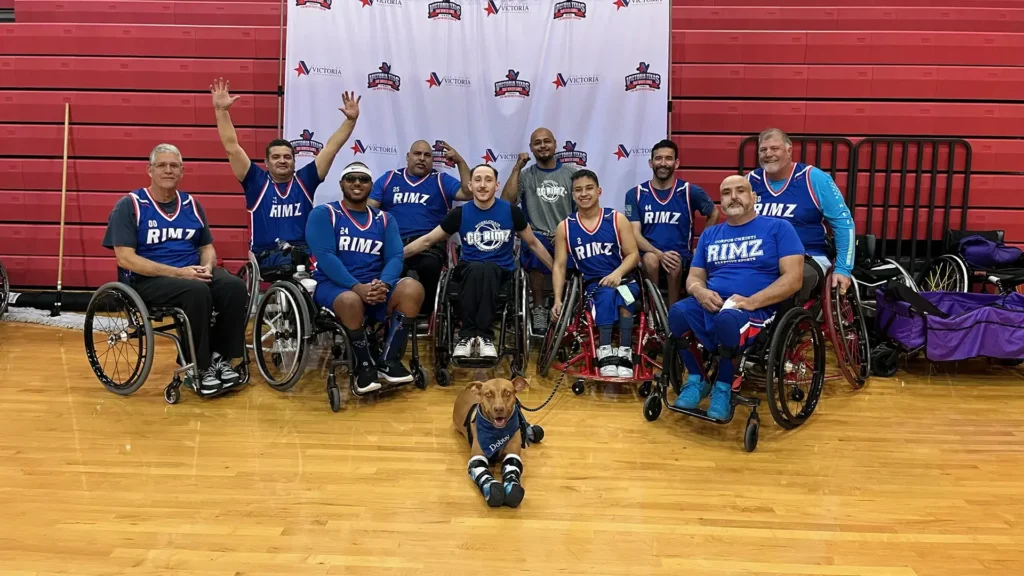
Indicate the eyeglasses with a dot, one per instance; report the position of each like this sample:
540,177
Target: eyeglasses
353,179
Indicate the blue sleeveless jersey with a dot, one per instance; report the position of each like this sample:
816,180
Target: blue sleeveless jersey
279,210
488,235
797,202
359,242
596,253
665,216
417,204
169,239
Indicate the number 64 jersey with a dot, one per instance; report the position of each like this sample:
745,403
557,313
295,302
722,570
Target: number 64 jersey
744,259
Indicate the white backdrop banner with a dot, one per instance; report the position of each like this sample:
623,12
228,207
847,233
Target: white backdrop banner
481,75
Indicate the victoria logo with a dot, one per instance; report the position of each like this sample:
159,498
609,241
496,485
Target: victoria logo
359,147
627,3
366,3
494,7
644,80
623,152
384,79
570,155
512,86
570,10
437,153
304,69
444,11
563,80
324,4
305,145
435,80
491,156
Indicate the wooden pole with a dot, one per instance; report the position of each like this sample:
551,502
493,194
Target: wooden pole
63,204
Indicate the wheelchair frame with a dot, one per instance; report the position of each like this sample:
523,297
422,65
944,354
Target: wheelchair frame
950,272
577,323
5,290
142,318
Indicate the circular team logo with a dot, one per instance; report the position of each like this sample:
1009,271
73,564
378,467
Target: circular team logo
488,236
551,191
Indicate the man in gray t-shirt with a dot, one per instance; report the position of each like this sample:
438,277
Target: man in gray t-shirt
545,192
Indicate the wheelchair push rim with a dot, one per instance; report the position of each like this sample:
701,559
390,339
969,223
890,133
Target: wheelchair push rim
947,273
848,333
555,338
281,335
795,368
118,329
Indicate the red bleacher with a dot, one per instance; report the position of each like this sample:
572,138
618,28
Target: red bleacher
139,40
150,12
824,18
133,108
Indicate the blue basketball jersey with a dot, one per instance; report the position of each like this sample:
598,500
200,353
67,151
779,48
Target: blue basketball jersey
598,252
665,216
169,239
417,204
360,242
488,235
278,211
795,201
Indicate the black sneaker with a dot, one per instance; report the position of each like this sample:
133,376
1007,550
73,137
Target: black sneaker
366,379
394,372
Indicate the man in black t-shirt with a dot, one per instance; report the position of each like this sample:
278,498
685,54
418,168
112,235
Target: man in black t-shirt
165,252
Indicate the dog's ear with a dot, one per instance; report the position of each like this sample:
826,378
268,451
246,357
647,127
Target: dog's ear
520,384
475,385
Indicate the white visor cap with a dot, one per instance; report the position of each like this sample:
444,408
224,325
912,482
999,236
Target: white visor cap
356,169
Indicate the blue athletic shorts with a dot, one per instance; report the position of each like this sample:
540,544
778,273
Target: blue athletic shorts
605,303
327,292
531,262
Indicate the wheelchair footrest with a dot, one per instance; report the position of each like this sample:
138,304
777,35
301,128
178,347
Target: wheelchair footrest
481,363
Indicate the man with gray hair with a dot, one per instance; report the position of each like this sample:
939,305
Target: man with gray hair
164,251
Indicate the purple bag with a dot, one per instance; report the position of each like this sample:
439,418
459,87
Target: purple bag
983,253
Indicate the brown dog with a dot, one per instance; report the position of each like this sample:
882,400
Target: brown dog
487,414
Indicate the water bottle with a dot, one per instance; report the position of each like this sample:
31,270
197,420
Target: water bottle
304,278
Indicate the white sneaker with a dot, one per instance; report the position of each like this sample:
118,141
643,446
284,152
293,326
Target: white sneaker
606,360
625,365
463,349
486,348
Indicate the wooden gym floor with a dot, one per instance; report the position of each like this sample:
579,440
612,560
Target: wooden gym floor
916,475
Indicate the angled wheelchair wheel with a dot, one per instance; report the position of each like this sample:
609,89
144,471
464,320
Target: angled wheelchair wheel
947,273
556,330
119,338
443,331
658,310
522,321
5,290
250,274
281,335
849,334
795,368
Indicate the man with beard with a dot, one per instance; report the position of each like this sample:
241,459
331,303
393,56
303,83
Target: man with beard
809,199
602,247
661,211
486,226
279,198
741,269
418,198
357,257
544,191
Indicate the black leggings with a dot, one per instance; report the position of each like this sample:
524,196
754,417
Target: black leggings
426,267
478,298
226,293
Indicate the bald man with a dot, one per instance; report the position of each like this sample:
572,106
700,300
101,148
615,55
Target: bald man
740,271
545,192
418,197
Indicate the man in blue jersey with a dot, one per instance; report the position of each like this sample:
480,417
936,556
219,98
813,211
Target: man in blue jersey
486,226
279,198
544,190
357,255
661,211
740,270
164,250
419,197
602,247
808,198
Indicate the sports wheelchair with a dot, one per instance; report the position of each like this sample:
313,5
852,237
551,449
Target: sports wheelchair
118,313
5,290
513,304
288,324
570,345
951,272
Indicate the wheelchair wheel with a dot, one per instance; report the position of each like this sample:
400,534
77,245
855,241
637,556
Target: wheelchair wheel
947,273
249,273
556,331
521,322
280,335
119,338
795,368
849,334
5,290
442,331
658,311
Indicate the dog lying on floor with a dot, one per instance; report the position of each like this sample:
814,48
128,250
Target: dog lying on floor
490,418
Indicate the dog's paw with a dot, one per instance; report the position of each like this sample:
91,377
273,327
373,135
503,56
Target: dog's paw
495,494
514,494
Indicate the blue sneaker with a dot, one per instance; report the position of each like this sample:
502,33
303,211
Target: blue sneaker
721,401
691,393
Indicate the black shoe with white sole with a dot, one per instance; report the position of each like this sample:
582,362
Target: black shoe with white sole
394,372
366,379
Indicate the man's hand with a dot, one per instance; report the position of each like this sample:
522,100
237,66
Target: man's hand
556,310
350,105
708,299
378,292
222,99
523,160
450,154
365,292
671,261
742,303
612,280
201,273
842,280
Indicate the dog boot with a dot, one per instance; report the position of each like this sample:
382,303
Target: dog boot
489,487
511,472
721,401
691,393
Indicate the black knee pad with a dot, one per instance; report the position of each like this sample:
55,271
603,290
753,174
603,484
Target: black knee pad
727,352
